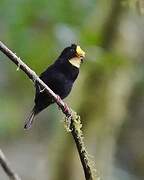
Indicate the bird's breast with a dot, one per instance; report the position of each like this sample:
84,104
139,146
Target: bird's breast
62,87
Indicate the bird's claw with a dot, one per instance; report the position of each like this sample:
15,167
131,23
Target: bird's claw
66,108
41,90
58,99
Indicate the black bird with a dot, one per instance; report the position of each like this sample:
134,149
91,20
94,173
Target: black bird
60,77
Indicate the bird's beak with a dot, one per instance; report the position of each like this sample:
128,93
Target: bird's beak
80,53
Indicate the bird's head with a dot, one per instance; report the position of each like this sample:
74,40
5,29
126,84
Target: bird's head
73,55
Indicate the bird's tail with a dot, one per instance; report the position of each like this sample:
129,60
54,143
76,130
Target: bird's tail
30,119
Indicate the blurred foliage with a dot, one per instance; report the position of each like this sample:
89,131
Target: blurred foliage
108,93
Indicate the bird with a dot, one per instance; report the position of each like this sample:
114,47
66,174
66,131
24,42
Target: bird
60,77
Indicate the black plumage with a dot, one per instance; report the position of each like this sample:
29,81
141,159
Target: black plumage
60,77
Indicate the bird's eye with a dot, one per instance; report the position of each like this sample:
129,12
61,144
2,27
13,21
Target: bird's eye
72,50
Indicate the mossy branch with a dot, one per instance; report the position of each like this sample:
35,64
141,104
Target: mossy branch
71,117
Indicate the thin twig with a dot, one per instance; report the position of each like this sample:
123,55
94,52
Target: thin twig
68,113
6,167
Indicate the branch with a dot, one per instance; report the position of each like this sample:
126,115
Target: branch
6,167
71,118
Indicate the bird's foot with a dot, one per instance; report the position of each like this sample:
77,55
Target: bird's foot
66,108
41,89
58,101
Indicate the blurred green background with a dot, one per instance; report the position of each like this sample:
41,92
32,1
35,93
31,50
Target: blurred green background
109,93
